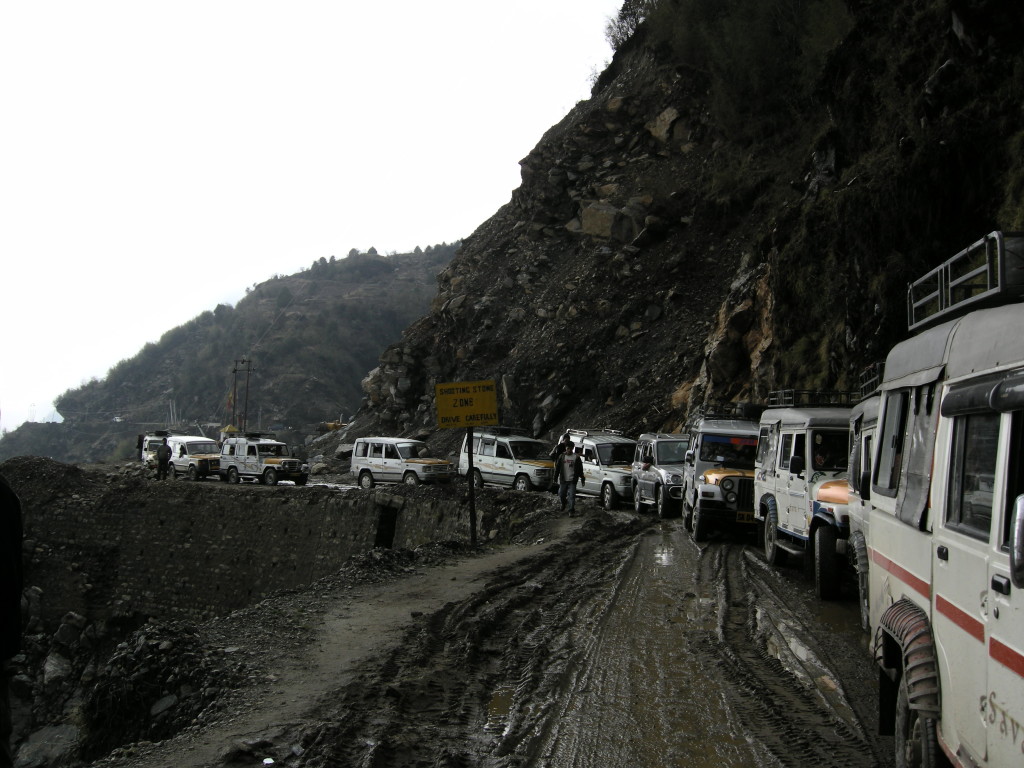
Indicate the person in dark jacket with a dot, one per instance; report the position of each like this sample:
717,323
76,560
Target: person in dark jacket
11,585
570,472
163,459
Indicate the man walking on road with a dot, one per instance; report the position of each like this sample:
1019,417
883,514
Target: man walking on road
570,471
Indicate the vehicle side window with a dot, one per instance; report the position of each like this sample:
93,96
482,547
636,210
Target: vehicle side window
762,446
487,448
390,451
786,452
376,450
589,455
972,473
251,450
502,451
361,450
893,435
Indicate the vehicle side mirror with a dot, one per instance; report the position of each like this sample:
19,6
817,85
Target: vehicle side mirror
797,465
1017,543
689,457
865,485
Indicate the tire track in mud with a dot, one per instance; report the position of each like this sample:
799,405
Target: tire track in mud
624,645
777,680
499,657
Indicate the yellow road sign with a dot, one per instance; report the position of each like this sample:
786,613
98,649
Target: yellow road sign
466,404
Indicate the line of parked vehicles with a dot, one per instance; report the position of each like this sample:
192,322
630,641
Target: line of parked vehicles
914,487
255,456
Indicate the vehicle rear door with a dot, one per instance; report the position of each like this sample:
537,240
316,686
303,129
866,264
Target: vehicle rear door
1004,708
490,469
961,609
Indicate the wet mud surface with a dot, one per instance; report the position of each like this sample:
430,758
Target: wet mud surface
626,644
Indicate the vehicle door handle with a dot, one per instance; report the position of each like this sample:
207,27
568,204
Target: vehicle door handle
942,552
1001,584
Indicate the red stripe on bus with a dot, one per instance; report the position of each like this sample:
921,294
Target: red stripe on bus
1005,655
919,585
962,619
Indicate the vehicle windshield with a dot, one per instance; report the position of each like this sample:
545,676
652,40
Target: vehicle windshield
616,453
829,450
672,451
204,447
272,449
731,450
414,451
528,450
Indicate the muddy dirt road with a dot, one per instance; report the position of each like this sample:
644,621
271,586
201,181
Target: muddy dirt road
618,642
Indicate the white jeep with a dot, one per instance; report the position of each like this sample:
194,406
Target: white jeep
259,457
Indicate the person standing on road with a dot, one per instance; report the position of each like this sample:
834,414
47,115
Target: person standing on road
139,445
163,459
11,585
570,472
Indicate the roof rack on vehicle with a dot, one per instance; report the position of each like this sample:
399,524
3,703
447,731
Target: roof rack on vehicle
986,273
595,431
737,410
812,397
871,378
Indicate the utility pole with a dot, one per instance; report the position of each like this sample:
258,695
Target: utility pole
234,393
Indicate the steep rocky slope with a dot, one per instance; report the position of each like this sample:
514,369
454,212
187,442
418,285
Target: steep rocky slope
663,253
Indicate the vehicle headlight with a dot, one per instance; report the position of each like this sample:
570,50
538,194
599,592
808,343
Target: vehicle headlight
731,497
675,479
728,484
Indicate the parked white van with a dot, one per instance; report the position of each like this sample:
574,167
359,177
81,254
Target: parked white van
607,464
397,460
504,457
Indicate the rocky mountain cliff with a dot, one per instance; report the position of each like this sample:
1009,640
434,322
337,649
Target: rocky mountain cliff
311,337
738,208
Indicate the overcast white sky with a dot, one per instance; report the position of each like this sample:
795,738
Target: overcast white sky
157,158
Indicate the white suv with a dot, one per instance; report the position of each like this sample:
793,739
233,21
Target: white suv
260,458
194,456
657,471
607,467
505,457
397,460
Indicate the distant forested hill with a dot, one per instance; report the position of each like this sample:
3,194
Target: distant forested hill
311,338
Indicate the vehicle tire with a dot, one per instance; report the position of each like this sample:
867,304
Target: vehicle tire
915,741
270,477
193,473
826,564
664,505
522,483
233,476
411,478
638,504
609,498
478,479
700,524
366,480
772,553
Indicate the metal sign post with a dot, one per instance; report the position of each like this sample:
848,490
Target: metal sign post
467,404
